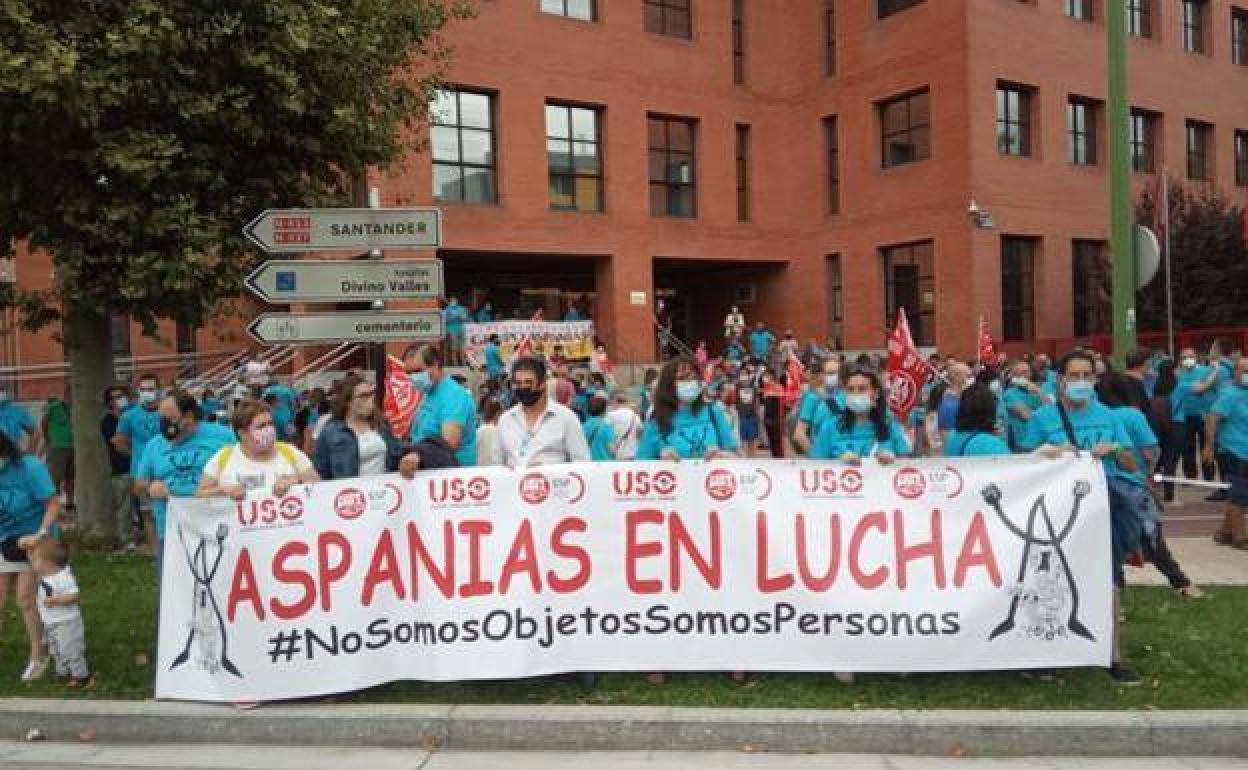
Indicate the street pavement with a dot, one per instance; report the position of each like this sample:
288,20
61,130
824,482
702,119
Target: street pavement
54,756
1189,527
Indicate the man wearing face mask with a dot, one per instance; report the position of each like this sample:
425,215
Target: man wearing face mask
536,430
173,461
1199,384
446,407
1078,421
1227,429
116,400
138,425
825,400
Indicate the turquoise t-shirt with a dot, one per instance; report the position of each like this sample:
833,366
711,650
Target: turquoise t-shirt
600,437
180,464
1142,437
448,402
1194,404
692,435
15,421
816,408
1013,396
25,488
140,425
977,444
1092,425
494,361
832,441
1232,407
455,316
760,343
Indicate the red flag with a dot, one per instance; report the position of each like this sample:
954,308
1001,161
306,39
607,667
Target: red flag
401,399
987,350
908,371
796,375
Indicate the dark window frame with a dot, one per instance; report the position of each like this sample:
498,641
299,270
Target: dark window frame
1239,36
886,8
831,132
1090,287
911,130
738,41
1193,18
593,10
741,134
1082,130
1020,122
1241,158
571,173
922,256
661,18
1198,141
836,296
1018,272
1140,18
119,337
460,127
666,183
1082,10
1142,125
829,37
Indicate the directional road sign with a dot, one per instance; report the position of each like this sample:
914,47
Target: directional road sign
283,281
290,231
331,327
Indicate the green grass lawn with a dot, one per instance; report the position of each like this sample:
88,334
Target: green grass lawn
1190,653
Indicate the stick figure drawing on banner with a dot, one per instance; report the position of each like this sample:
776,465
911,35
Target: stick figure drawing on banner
1040,590
207,632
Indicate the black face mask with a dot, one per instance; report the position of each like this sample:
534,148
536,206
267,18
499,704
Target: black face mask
526,396
170,429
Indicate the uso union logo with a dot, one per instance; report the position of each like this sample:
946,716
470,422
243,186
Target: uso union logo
270,512
643,484
830,482
458,491
910,483
350,503
535,488
721,484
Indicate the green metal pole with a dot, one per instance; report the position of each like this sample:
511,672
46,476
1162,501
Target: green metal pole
1122,242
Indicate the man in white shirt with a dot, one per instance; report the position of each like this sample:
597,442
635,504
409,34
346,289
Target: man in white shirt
625,426
537,431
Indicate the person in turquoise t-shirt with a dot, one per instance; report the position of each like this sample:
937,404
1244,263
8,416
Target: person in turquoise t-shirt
598,432
684,424
446,409
485,313
173,462
823,400
495,369
454,316
760,341
974,434
1021,399
867,427
284,402
1227,430
15,422
1197,380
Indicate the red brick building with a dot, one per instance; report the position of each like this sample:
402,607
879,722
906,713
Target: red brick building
812,160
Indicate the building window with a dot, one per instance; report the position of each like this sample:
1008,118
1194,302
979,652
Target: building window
836,299
1081,122
738,41
1013,119
119,334
829,37
905,129
673,18
1090,288
889,7
1079,9
910,283
1241,158
1198,145
574,157
1239,36
673,191
1193,25
830,130
462,141
1018,284
743,173
585,10
1143,141
1140,18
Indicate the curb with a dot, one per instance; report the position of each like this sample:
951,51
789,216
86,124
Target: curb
641,728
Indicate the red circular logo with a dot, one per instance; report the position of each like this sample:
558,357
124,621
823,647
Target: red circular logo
902,391
721,484
851,480
909,483
534,488
664,482
290,508
479,488
350,503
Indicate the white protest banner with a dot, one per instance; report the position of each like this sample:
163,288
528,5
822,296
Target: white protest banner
750,565
576,337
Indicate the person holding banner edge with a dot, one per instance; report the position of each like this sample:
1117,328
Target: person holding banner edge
684,424
866,428
355,442
446,408
259,461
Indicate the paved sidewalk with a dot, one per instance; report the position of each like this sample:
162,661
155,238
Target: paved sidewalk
1204,561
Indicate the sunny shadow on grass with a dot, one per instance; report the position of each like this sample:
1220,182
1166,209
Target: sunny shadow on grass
1190,654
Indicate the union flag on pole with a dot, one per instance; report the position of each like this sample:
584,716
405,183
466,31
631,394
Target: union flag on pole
987,350
400,398
908,371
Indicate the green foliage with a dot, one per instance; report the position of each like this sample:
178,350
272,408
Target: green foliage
1209,261
138,136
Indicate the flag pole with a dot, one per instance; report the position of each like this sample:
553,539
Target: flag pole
1165,218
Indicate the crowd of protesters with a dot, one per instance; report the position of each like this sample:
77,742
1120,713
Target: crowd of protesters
765,394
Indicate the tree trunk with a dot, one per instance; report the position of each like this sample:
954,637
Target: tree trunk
89,346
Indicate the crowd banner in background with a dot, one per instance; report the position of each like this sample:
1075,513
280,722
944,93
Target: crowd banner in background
738,565
576,337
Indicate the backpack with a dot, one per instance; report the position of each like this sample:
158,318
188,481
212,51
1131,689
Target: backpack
285,450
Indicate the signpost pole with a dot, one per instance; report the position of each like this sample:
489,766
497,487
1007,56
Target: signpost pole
377,350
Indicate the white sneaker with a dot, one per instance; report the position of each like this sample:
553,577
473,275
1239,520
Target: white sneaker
35,669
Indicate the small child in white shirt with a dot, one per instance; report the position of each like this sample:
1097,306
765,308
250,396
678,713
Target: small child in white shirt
60,613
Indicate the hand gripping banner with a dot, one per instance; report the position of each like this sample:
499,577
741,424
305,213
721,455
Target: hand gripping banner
740,565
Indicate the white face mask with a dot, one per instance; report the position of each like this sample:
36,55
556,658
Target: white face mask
1189,362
